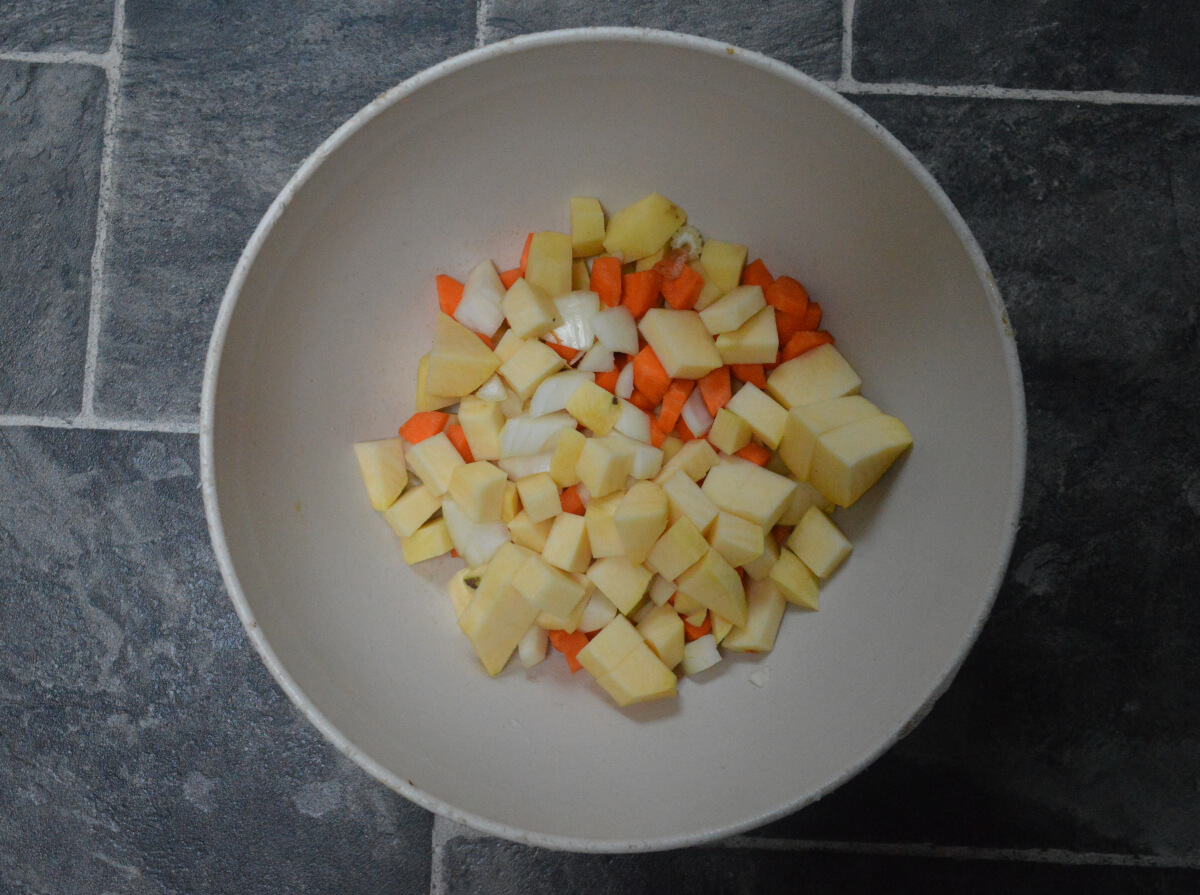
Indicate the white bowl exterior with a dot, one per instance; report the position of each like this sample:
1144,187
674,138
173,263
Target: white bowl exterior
333,304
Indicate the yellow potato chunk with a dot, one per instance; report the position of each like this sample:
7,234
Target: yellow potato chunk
808,422
599,517
549,264
733,309
539,496
729,433
640,519
642,228
566,457
430,540
738,540
662,629
850,459
548,589
819,543
529,310
607,649
695,458
567,544
765,604
412,510
594,407
766,417
754,342
434,461
481,422
381,464
813,376
681,546
684,498
623,581
526,369
723,263
715,584
426,401
682,343
459,362
749,491
478,489
796,580
530,534
603,466
587,227
640,677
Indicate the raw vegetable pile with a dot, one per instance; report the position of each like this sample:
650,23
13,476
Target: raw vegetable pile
636,457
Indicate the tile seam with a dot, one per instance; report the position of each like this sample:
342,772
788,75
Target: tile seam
60,57
847,42
176,426
981,91
483,30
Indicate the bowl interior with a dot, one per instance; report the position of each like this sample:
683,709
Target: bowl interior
321,347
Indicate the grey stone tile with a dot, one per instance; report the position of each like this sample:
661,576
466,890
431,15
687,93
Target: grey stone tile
1047,44
58,25
215,118
1074,720
145,749
492,867
51,130
806,35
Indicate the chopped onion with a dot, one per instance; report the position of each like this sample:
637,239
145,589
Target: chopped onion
700,655
577,310
475,542
479,314
493,390
625,382
633,422
695,414
484,282
555,391
598,360
532,647
598,613
519,467
523,437
616,329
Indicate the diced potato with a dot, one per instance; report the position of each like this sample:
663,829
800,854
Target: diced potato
681,546
767,418
383,471
671,446
412,510
684,498
808,421
603,536
539,496
462,589
478,489
549,264
598,612
566,458
738,540
426,401
575,619
682,343
804,497
640,519
430,540
531,649
617,640
819,543
527,533
733,309
796,580
581,277
529,310
594,407
642,228
603,466
661,590
481,422
475,542
848,460
696,619
754,342
620,579
526,369
567,545
512,502
587,226
729,433
723,263
720,627
695,458
815,375
498,616
662,629
749,491
688,607
765,604
434,461
510,343
700,655
761,567
640,676
716,584
548,589
459,362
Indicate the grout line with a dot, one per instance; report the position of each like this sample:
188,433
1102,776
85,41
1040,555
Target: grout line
483,31
847,41
114,58
1093,97
962,853
82,421
69,57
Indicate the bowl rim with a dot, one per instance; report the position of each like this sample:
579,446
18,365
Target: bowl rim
305,172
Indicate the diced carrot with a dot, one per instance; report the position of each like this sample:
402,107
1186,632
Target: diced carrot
781,533
787,295
454,552
649,377
508,277
693,632
683,431
681,293
606,280
525,254
571,501
672,263
787,325
569,643
564,351
672,402
755,453
608,380
812,317
805,341
458,438
756,274
716,389
640,291
449,292
642,401
752,373
657,434
487,340
423,424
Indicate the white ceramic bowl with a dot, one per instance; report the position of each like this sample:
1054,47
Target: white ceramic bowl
316,347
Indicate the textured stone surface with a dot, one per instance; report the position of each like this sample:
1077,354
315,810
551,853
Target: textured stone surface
56,25
216,117
806,35
51,126
145,749
1049,44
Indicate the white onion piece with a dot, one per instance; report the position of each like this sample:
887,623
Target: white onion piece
493,390
555,391
523,437
625,382
519,467
484,282
700,655
577,310
695,414
633,422
597,613
475,542
479,314
598,360
616,329
531,649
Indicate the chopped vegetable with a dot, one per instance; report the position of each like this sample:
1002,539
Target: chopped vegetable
756,274
424,424
450,293
640,291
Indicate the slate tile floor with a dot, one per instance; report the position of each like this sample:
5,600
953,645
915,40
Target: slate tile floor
143,748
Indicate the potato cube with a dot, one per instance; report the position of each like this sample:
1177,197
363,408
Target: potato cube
808,421
749,491
795,580
529,310
687,607
754,342
848,460
459,362
498,616
729,433
598,612
723,263
525,370
761,567
662,629
539,496
682,343
819,543
512,503
641,676
764,611
720,627
681,546
531,649
412,510
624,582
481,422
434,461
738,540
581,277
566,457
462,589
671,446
426,401
383,471
642,228
684,498
767,418
617,640
430,540
813,376
549,263
603,536
510,343
594,407
478,489
603,466
527,533
641,518
733,309
548,589
567,544
695,458
716,584
587,227
572,621
805,496
661,590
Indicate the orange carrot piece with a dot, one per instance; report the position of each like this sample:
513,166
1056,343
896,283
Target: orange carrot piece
608,381
458,438
449,292
606,280
755,453
787,295
787,325
752,373
812,317
454,552
693,632
487,340
509,277
716,389
781,533
657,434
525,254
649,377
672,402
565,352
571,501
423,424
569,644
805,341
681,293
642,401
683,431
640,291
756,274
